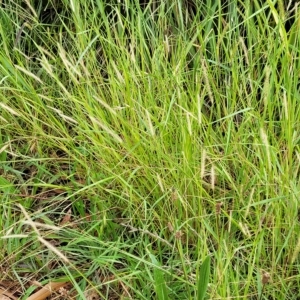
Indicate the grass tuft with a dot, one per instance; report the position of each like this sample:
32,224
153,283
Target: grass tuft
150,151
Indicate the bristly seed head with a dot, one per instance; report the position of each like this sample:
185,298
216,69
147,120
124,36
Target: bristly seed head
265,277
174,195
178,234
170,226
218,207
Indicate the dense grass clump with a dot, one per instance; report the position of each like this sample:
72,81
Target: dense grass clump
150,150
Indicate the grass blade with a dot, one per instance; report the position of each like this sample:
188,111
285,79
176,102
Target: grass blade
203,278
160,284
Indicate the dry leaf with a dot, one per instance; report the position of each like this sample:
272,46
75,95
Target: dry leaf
91,295
5,295
66,218
47,290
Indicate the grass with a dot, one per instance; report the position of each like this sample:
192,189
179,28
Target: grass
150,152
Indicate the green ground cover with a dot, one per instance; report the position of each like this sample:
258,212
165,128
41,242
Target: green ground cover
150,152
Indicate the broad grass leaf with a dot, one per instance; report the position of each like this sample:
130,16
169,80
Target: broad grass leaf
203,279
160,284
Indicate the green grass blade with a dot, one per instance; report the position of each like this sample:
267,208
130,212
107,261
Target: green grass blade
6,186
159,280
203,278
